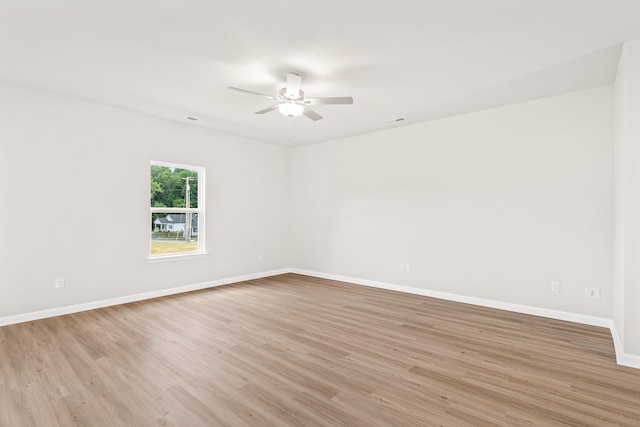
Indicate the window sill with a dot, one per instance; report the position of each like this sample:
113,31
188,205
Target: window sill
177,257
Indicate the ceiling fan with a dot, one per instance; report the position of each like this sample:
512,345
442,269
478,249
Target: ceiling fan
291,100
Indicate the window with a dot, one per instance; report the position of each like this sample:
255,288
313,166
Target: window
177,210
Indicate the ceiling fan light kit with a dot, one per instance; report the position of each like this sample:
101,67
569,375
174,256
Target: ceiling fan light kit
292,102
291,109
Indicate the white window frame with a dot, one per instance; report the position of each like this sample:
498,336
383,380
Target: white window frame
200,210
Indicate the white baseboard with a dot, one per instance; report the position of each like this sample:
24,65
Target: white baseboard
623,358
27,317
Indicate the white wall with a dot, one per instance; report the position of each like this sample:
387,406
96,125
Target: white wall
494,204
69,168
627,200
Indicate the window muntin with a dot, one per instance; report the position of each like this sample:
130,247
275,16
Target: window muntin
176,210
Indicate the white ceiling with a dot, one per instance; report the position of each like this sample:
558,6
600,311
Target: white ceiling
421,59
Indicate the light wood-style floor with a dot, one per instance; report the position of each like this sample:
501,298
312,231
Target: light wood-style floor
295,350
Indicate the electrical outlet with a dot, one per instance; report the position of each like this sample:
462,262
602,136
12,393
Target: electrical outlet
59,283
260,258
402,268
555,286
407,268
592,293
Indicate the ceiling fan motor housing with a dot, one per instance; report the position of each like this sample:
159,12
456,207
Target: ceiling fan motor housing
283,95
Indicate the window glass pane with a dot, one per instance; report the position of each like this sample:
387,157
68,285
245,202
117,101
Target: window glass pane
173,187
171,235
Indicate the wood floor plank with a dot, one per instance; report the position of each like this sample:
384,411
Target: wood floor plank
295,350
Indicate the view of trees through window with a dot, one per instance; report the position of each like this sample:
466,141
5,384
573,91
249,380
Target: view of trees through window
175,210
169,185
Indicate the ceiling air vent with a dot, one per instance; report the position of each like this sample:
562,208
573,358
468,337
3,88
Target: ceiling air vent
396,120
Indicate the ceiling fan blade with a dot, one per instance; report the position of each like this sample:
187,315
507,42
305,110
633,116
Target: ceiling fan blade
266,110
293,85
329,100
252,92
311,114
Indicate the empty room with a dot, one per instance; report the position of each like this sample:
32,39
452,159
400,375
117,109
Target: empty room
287,213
